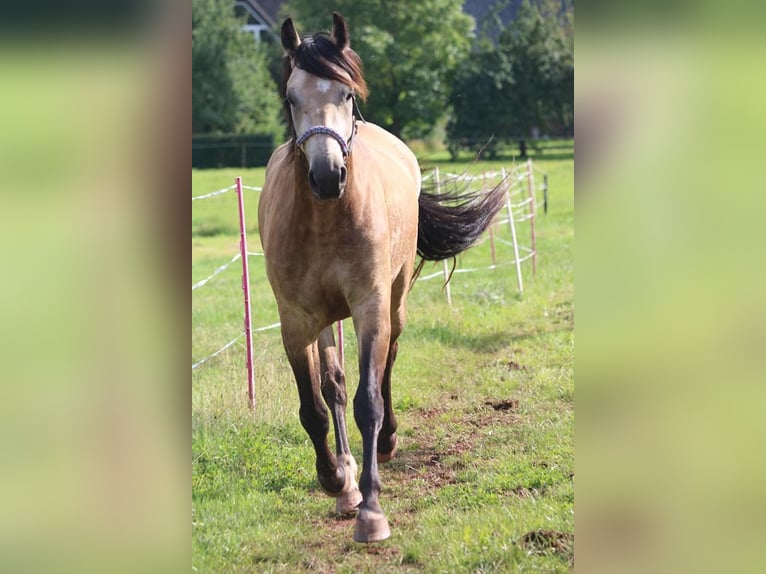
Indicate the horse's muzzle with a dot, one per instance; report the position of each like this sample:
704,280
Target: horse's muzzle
328,181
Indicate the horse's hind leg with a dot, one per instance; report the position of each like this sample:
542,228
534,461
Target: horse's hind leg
387,440
304,361
334,393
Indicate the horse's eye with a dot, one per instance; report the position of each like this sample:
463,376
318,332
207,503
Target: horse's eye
349,96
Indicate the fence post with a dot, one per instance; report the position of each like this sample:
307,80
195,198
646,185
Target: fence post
447,291
531,191
512,224
492,225
246,289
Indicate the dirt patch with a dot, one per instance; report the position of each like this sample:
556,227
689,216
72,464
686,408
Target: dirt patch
435,460
425,464
542,541
514,366
316,566
341,522
564,316
430,414
504,405
381,550
524,492
493,412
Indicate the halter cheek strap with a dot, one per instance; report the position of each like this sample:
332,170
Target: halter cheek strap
345,146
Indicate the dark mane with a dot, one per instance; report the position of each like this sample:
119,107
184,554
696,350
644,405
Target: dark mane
318,55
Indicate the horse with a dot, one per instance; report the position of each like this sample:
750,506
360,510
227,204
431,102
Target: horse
341,219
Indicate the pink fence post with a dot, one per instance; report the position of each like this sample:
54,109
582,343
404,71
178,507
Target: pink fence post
340,344
246,289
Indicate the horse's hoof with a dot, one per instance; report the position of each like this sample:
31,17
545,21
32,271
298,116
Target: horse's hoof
393,445
348,502
371,526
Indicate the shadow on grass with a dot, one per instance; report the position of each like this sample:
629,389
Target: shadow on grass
485,343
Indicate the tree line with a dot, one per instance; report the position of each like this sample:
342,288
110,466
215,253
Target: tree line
426,66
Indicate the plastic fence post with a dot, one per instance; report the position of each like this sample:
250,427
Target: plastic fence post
246,289
531,190
512,224
447,291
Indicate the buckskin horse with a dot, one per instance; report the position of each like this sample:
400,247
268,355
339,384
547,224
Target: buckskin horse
341,219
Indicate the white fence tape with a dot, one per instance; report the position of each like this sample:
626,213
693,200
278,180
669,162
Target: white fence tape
219,351
221,269
213,193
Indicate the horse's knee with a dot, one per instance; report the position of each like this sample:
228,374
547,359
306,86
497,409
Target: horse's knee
368,409
334,387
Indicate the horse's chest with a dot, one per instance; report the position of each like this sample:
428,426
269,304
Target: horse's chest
319,274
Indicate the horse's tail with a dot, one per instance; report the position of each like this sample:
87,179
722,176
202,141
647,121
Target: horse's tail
450,222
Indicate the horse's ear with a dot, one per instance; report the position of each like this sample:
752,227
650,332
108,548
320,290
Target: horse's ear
340,32
290,38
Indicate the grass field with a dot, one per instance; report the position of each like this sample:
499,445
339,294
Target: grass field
484,394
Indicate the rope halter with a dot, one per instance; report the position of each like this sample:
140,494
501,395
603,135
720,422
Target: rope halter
345,146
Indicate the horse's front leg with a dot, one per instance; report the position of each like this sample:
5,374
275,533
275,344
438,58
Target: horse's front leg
304,360
373,329
334,393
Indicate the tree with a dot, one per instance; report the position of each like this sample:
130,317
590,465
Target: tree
232,90
410,51
535,61
474,97
529,75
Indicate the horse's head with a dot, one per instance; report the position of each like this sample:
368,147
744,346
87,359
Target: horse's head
323,75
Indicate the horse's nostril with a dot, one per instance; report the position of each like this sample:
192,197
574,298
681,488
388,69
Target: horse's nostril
342,176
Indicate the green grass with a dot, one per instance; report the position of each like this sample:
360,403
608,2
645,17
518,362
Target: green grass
484,394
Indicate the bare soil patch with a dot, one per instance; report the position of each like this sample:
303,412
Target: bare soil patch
436,460
542,541
504,405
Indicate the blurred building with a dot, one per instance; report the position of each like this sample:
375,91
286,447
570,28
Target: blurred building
263,16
